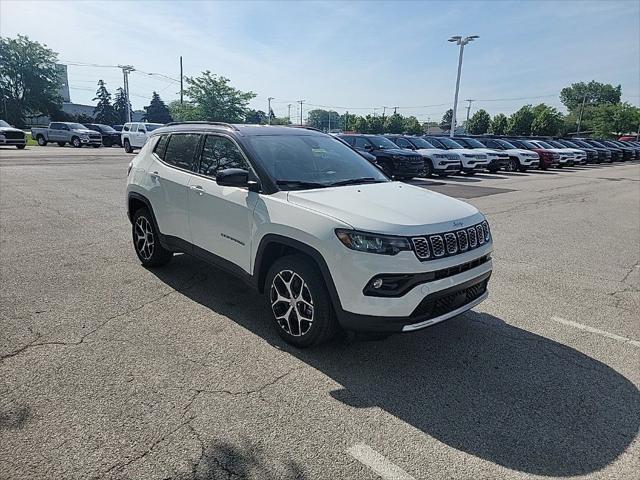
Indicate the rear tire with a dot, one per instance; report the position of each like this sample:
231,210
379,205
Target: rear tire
127,146
20,147
41,140
298,302
96,146
61,144
146,240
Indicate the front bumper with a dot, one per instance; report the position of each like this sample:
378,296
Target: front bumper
447,166
434,308
13,141
413,169
497,163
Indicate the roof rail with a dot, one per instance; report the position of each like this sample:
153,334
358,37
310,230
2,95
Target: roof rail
203,122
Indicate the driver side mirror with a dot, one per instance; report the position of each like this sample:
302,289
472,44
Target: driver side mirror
368,147
236,177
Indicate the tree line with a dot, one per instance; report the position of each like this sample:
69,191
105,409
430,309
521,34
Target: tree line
30,84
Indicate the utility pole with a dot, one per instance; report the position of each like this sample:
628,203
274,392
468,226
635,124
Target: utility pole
269,110
126,70
346,120
329,130
468,108
395,110
458,40
181,76
301,102
584,99
289,112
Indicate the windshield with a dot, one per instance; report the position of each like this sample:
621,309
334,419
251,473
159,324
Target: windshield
472,142
448,143
4,124
106,128
556,144
543,144
312,161
381,142
580,143
152,126
597,144
420,143
505,144
76,126
569,144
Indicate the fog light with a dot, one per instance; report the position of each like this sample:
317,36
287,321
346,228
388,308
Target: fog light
377,283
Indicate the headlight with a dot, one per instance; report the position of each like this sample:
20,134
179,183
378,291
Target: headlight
1,137
372,243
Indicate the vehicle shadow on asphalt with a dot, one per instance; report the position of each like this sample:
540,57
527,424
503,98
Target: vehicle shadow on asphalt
475,383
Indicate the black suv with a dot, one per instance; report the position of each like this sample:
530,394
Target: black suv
395,162
109,135
604,154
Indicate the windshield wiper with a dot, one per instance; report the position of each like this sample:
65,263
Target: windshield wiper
355,181
300,183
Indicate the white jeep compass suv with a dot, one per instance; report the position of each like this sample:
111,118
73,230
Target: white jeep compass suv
304,219
135,134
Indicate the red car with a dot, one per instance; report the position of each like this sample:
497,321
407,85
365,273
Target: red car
547,157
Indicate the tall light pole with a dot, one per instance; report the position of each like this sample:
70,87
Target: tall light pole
301,102
468,107
289,114
462,41
269,111
126,70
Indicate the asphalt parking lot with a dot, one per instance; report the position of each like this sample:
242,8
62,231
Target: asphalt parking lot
109,370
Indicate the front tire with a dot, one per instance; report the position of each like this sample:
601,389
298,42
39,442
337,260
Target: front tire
146,241
127,146
75,141
299,303
512,166
428,168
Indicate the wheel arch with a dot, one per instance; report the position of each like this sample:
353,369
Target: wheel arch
273,246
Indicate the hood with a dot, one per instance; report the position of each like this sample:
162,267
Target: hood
84,130
432,151
10,129
520,151
488,151
392,208
398,151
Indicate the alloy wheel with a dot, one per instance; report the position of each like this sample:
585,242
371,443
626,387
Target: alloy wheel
143,238
292,303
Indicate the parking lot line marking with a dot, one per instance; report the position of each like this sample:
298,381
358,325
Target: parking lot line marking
378,463
586,328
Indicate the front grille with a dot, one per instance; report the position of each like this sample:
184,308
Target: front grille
451,243
13,135
443,304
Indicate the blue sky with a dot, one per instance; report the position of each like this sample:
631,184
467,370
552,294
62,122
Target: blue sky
359,55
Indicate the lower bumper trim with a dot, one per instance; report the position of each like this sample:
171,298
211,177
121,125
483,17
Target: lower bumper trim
446,316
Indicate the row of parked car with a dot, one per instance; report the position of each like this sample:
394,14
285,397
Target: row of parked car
403,156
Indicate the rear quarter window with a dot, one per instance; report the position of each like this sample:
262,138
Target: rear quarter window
161,146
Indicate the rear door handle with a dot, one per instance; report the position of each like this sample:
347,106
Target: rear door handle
197,188
154,174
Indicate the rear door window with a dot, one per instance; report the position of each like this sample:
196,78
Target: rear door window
180,151
402,143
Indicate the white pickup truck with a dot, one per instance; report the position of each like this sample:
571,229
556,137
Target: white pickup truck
66,132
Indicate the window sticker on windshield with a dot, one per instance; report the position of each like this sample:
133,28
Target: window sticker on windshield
318,151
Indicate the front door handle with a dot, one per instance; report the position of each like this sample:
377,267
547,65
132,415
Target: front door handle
197,188
154,174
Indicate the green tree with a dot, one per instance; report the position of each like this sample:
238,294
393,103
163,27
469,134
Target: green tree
615,120
412,126
479,123
323,119
120,106
547,120
375,124
520,122
360,125
29,80
394,123
280,121
104,111
216,100
594,93
157,111
499,124
257,117
184,112
445,123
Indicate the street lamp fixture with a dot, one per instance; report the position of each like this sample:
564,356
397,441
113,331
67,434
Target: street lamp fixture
462,41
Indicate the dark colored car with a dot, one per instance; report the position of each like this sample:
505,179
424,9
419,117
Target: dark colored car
548,158
592,153
394,161
109,135
616,153
118,128
604,154
632,149
436,160
518,159
627,154
497,158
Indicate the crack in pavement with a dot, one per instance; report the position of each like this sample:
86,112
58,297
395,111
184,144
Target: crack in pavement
35,342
